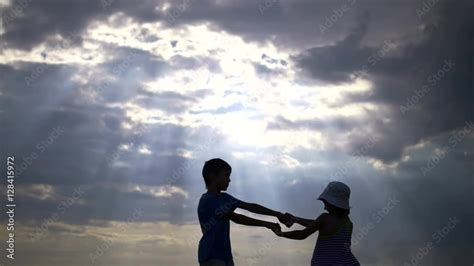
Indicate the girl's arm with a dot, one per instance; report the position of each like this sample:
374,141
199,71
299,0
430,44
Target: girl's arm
245,220
302,221
309,230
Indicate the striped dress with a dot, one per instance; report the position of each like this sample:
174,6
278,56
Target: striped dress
335,249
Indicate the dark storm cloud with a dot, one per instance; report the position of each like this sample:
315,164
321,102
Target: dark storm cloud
289,24
39,19
335,63
427,85
445,200
284,23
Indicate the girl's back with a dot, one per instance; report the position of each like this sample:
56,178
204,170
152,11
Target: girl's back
333,246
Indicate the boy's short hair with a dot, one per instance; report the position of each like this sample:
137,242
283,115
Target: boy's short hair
214,166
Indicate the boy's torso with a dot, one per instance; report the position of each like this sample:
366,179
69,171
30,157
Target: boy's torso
215,242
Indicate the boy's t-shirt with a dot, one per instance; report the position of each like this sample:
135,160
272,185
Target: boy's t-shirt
215,241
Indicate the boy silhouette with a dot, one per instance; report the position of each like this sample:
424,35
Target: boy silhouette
216,208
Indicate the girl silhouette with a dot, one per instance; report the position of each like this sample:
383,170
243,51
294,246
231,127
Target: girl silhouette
333,246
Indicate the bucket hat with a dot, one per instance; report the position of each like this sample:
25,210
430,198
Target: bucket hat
337,193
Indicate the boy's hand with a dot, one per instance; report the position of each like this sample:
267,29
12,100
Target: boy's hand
278,232
287,219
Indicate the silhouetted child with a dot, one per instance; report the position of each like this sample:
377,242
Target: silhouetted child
217,208
333,246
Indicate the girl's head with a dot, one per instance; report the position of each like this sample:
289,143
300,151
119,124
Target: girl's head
339,212
336,198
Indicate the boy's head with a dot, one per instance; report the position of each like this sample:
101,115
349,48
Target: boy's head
216,174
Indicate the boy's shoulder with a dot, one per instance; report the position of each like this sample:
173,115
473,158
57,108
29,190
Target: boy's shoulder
210,201
212,197
225,194
205,202
229,197
204,195
204,198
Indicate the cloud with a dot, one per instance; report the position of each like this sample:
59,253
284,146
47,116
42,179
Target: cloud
335,63
299,27
339,124
115,105
161,191
84,139
415,81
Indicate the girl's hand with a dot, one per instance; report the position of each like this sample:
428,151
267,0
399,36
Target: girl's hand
278,233
275,227
286,219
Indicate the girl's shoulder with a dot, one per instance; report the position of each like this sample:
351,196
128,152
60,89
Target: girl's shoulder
333,224
328,217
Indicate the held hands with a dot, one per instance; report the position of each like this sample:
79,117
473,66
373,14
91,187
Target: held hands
275,227
287,219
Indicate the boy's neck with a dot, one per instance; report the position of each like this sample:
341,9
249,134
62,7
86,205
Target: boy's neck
213,190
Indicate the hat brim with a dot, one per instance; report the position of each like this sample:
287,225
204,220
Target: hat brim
322,198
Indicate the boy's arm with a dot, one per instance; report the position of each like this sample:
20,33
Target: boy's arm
309,230
245,220
259,209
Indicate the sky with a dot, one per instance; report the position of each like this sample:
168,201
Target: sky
111,108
